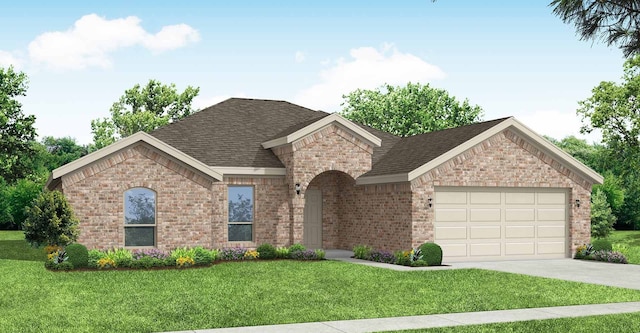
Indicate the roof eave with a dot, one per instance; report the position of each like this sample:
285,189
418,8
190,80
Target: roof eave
320,124
126,142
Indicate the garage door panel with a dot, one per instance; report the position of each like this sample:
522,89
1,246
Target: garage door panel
558,198
451,197
551,247
451,215
454,250
485,249
551,214
524,231
524,248
519,214
551,231
501,223
445,233
484,215
520,198
484,232
484,198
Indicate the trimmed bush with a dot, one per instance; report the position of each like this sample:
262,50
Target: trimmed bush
202,256
432,254
602,245
297,247
362,252
78,255
50,221
282,253
266,251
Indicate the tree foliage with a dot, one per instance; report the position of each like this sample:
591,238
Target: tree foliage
50,221
16,130
142,109
409,110
602,219
613,21
614,108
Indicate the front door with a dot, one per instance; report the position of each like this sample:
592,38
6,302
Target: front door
313,219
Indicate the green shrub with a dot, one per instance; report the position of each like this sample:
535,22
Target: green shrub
121,257
266,251
215,254
202,256
602,244
297,247
95,255
50,221
583,251
602,218
403,258
320,254
432,254
362,252
63,266
78,255
419,263
282,253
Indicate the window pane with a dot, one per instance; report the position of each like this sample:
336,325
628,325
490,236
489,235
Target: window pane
240,204
139,206
139,236
240,232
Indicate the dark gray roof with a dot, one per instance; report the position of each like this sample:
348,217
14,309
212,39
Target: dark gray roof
231,133
414,151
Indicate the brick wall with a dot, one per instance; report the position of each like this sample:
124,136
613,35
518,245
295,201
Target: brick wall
504,160
183,198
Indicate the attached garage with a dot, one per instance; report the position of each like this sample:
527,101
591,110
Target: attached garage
488,223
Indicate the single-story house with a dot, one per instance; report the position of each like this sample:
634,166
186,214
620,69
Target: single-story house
246,171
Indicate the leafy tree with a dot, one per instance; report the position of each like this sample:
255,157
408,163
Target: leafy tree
590,155
602,219
409,110
613,189
62,151
142,109
16,130
613,108
613,21
50,221
18,197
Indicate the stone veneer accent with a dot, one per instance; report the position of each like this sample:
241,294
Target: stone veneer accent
504,160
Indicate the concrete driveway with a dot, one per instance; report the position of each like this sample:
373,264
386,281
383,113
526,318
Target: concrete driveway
617,275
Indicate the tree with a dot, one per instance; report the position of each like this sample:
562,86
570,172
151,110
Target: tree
614,108
409,110
50,221
61,151
602,219
613,21
590,155
16,130
142,109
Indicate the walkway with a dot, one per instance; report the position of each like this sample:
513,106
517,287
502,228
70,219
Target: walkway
439,320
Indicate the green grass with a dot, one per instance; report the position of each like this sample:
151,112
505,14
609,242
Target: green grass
13,246
262,293
619,323
627,242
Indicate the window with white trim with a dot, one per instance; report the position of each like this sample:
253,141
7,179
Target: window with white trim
240,213
139,217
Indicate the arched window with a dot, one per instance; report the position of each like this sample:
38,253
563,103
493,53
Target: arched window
139,217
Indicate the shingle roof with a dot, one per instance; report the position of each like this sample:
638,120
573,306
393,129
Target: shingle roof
414,151
231,133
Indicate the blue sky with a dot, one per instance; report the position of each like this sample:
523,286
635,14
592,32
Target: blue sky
513,58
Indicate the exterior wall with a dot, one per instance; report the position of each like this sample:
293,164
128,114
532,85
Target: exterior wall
504,160
183,198
271,222
330,149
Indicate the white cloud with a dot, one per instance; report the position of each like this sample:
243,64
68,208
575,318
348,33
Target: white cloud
299,56
368,68
92,38
557,124
201,102
7,59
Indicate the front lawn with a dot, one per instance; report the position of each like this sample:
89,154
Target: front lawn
261,293
619,323
627,242
13,246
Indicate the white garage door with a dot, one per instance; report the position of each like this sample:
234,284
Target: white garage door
501,224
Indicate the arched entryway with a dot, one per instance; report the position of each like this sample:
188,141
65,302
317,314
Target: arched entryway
327,201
